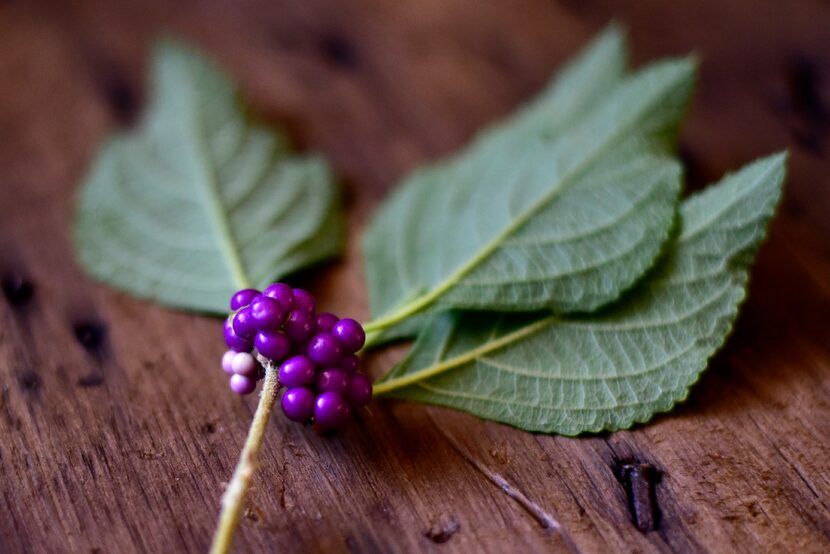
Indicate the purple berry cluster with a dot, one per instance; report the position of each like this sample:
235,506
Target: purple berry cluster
315,353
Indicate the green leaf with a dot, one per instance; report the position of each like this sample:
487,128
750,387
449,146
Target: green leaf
620,366
200,201
562,207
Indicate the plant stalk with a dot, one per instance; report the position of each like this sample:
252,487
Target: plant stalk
234,497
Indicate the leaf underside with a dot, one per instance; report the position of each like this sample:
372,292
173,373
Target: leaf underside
620,366
200,201
564,206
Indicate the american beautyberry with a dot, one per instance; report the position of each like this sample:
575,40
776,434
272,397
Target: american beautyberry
267,313
360,390
332,380
315,353
331,410
234,341
226,361
243,324
350,334
349,363
282,293
244,364
242,298
274,346
296,372
325,350
304,301
299,325
298,404
325,322
242,385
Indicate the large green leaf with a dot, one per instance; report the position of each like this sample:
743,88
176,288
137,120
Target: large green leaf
619,366
200,200
563,207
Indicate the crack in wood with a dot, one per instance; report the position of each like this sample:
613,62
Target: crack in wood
543,518
89,381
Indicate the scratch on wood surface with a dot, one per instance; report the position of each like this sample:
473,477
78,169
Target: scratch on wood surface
543,518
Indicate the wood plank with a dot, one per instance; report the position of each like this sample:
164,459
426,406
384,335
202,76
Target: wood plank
118,432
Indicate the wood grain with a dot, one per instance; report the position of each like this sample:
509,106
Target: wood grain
117,430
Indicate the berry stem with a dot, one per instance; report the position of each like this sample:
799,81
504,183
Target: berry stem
405,311
389,385
371,339
234,497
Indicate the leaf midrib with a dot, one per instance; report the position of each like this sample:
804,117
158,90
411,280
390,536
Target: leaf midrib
206,182
418,377
436,369
419,303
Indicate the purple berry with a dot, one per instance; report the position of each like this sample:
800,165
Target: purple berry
296,372
349,363
325,350
298,404
267,313
303,300
234,341
360,390
325,322
350,334
226,361
273,346
242,298
242,385
331,410
245,364
332,380
299,325
282,293
243,324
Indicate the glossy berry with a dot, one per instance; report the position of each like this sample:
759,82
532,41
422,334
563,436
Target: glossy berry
360,390
226,361
298,404
274,346
299,325
267,313
243,324
350,334
325,322
244,364
242,385
242,298
349,363
316,354
234,341
304,301
282,293
325,350
331,410
332,380
296,372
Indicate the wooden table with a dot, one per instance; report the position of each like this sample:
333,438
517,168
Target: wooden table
117,430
